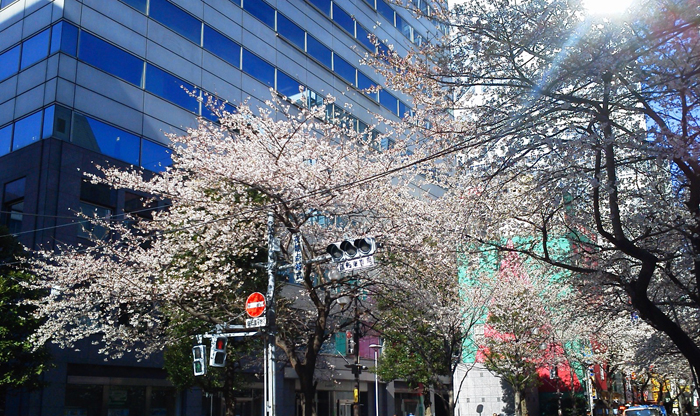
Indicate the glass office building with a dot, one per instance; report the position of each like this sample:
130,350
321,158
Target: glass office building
86,82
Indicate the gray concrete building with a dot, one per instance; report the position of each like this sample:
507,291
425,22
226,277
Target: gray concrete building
84,82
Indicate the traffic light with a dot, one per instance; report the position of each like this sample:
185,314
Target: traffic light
351,249
351,345
217,355
356,368
199,364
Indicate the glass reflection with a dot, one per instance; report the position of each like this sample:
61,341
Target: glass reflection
289,87
291,31
35,48
5,139
222,46
27,131
109,58
258,68
100,137
176,19
155,157
170,88
9,62
319,51
261,10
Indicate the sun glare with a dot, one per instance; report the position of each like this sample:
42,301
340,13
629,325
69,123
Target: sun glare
607,7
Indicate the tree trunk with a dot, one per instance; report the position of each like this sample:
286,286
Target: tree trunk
308,393
229,392
450,403
520,403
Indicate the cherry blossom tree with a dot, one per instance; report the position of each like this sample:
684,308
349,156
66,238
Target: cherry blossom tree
517,329
576,126
318,176
425,321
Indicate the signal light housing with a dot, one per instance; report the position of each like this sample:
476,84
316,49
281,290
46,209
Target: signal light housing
351,249
199,364
217,355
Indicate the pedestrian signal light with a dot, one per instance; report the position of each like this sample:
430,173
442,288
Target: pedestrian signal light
199,364
217,355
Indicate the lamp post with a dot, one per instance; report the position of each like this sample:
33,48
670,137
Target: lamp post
376,348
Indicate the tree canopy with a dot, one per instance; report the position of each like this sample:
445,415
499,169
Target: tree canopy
580,126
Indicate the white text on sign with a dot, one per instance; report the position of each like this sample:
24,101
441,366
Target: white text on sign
256,322
360,263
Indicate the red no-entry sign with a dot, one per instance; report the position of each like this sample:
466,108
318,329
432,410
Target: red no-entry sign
255,305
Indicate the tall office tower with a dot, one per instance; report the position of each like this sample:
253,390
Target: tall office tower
86,82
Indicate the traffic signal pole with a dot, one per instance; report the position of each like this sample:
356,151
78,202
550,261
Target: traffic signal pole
270,394
358,366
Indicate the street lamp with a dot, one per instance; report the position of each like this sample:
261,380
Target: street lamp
376,348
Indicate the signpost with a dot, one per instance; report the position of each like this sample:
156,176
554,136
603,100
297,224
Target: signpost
255,306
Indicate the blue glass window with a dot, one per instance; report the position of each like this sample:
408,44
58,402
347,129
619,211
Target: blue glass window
389,101
363,37
289,87
258,68
35,48
404,109
14,190
57,122
370,3
342,18
9,62
363,81
170,88
222,46
5,139
5,3
385,10
287,29
319,51
404,27
110,59
382,49
209,114
344,69
108,140
176,19
261,10
139,5
424,7
323,5
48,122
417,39
155,157
27,131
64,38
314,99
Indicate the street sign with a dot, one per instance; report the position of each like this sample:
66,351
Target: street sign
297,258
256,322
354,264
255,305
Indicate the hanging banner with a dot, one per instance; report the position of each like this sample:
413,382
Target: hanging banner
297,258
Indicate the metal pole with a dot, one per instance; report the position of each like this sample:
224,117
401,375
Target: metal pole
356,335
376,383
270,405
590,389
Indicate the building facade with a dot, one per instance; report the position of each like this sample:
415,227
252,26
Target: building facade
95,82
